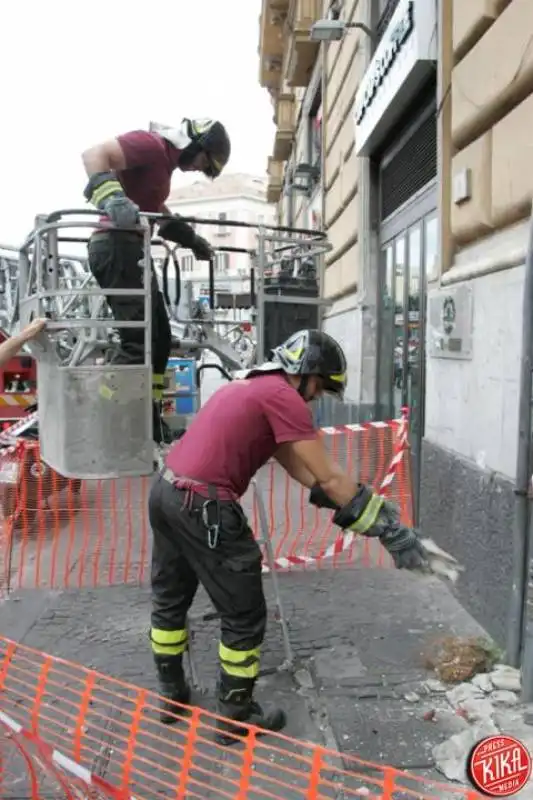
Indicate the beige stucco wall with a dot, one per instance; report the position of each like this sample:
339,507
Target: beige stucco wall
344,66
486,118
491,115
343,69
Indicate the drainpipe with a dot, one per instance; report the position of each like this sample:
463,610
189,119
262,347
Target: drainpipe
520,624
366,251
324,97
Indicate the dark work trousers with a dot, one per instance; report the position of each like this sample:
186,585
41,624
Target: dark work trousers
114,258
230,572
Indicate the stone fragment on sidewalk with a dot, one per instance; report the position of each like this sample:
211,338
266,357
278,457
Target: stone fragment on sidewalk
503,697
462,693
450,756
434,686
449,722
477,709
505,677
411,697
483,682
304,679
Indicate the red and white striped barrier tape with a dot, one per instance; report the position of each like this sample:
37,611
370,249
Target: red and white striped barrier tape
9,436
351,427
345,540
60,763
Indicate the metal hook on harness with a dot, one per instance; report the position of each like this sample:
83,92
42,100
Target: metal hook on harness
213,528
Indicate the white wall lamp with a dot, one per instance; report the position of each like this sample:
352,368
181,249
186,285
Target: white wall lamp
333,30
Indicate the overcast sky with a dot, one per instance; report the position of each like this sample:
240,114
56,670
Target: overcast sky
73,74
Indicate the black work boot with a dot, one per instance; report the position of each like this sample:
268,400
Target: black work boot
173,688
235,701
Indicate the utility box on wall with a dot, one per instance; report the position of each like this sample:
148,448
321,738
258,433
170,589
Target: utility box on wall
450,322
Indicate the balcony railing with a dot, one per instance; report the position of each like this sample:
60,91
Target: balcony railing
302,52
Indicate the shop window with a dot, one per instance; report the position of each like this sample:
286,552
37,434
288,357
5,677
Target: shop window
222,263
187,263
222,228
382,12
335,8
316,140
287,207
315,137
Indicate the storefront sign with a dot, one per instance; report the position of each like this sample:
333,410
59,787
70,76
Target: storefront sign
403,59
381,66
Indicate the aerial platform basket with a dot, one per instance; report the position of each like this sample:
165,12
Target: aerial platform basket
96,421
95,418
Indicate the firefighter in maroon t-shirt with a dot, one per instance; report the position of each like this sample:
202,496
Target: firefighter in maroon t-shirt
132,173
200,532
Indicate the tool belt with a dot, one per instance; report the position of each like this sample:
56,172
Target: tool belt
198,487
209,509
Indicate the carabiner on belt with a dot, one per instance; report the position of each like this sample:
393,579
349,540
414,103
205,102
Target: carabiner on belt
212,527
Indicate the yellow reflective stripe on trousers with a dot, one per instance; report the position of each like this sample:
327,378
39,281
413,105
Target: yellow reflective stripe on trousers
239,663
104,191
158,386
369,515
168,643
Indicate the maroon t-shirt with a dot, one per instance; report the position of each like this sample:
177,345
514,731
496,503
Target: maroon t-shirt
150,162
239,428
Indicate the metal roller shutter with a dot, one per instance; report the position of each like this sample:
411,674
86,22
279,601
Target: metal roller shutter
414,163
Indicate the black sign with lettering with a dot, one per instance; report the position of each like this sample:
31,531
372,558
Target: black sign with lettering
381,67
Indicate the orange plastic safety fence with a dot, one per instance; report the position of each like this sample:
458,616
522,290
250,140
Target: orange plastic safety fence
63,533
304,536
85,730
29,769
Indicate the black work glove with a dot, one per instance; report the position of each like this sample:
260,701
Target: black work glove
107,195
319,498
401,542
202,249
371,515
177,231
121,211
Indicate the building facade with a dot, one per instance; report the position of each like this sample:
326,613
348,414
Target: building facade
237,197
408,140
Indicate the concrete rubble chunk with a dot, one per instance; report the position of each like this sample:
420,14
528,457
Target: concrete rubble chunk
411,697
504,677
478,709
509,719
449,756
434,686
449,722
462,693
304,679
503,697
483,682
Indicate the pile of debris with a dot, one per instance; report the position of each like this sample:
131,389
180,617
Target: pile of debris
487,705
484,701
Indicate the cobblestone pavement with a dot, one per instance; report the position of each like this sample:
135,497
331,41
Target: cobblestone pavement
358,635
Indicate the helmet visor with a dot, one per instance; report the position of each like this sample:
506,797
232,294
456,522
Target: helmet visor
213,167
335,385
